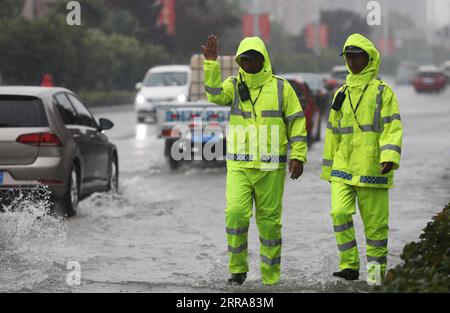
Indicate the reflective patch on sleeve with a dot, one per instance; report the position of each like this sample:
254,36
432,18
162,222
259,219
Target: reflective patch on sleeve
298,139
213,91
390,119
391,147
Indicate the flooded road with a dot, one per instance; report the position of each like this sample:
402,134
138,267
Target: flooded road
165,231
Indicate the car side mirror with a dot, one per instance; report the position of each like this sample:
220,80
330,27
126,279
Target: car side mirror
105,124
139,86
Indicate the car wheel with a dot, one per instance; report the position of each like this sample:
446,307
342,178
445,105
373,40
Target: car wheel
174,164
69,204
141,119
113,183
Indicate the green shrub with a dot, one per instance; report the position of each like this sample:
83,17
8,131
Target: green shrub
426,266
106,98
78,59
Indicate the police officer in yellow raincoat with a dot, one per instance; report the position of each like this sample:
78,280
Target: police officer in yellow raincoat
362,149
266,118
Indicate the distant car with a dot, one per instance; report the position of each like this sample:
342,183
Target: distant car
406,72
168,83
49,139
429,79
445,68
337,77
321,95
311,110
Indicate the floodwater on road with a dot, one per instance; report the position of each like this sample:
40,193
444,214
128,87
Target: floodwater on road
165,231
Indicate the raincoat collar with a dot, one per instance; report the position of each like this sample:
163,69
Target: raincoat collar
265,75
371,70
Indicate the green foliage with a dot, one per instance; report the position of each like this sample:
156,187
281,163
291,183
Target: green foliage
119,61
78,58
24,56
197,19
117,42
11,8
426,265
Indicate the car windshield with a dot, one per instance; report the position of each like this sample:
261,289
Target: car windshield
166,79
21,111
429,74
314,82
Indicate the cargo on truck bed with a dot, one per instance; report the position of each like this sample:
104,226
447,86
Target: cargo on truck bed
193,131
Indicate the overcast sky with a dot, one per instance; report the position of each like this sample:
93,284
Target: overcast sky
439,11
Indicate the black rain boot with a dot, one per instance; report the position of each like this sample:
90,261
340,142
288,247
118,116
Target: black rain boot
347,274
238,278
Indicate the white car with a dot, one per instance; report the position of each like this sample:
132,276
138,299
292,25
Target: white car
169,83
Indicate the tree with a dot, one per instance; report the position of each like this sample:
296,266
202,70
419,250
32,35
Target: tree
145,12
196,19
342,23
31,48
11,8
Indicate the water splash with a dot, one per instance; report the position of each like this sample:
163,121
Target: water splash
31,241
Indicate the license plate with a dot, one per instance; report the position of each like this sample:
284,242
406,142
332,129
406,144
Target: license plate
428,81
1,177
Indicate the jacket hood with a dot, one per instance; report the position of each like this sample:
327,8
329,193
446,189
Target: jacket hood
371,70
265,75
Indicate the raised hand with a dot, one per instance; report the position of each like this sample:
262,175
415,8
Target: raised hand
211,50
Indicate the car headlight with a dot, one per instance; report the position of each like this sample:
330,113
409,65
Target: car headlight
140,99
181,98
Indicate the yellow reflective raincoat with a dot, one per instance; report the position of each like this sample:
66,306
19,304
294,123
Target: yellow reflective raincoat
257,148
357,142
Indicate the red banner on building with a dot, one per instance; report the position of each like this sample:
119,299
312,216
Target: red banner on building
386,47
310,36
167,16
262,27
311,39
248,25
323,36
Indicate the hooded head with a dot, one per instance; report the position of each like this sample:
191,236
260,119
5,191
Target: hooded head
371,70
263,76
